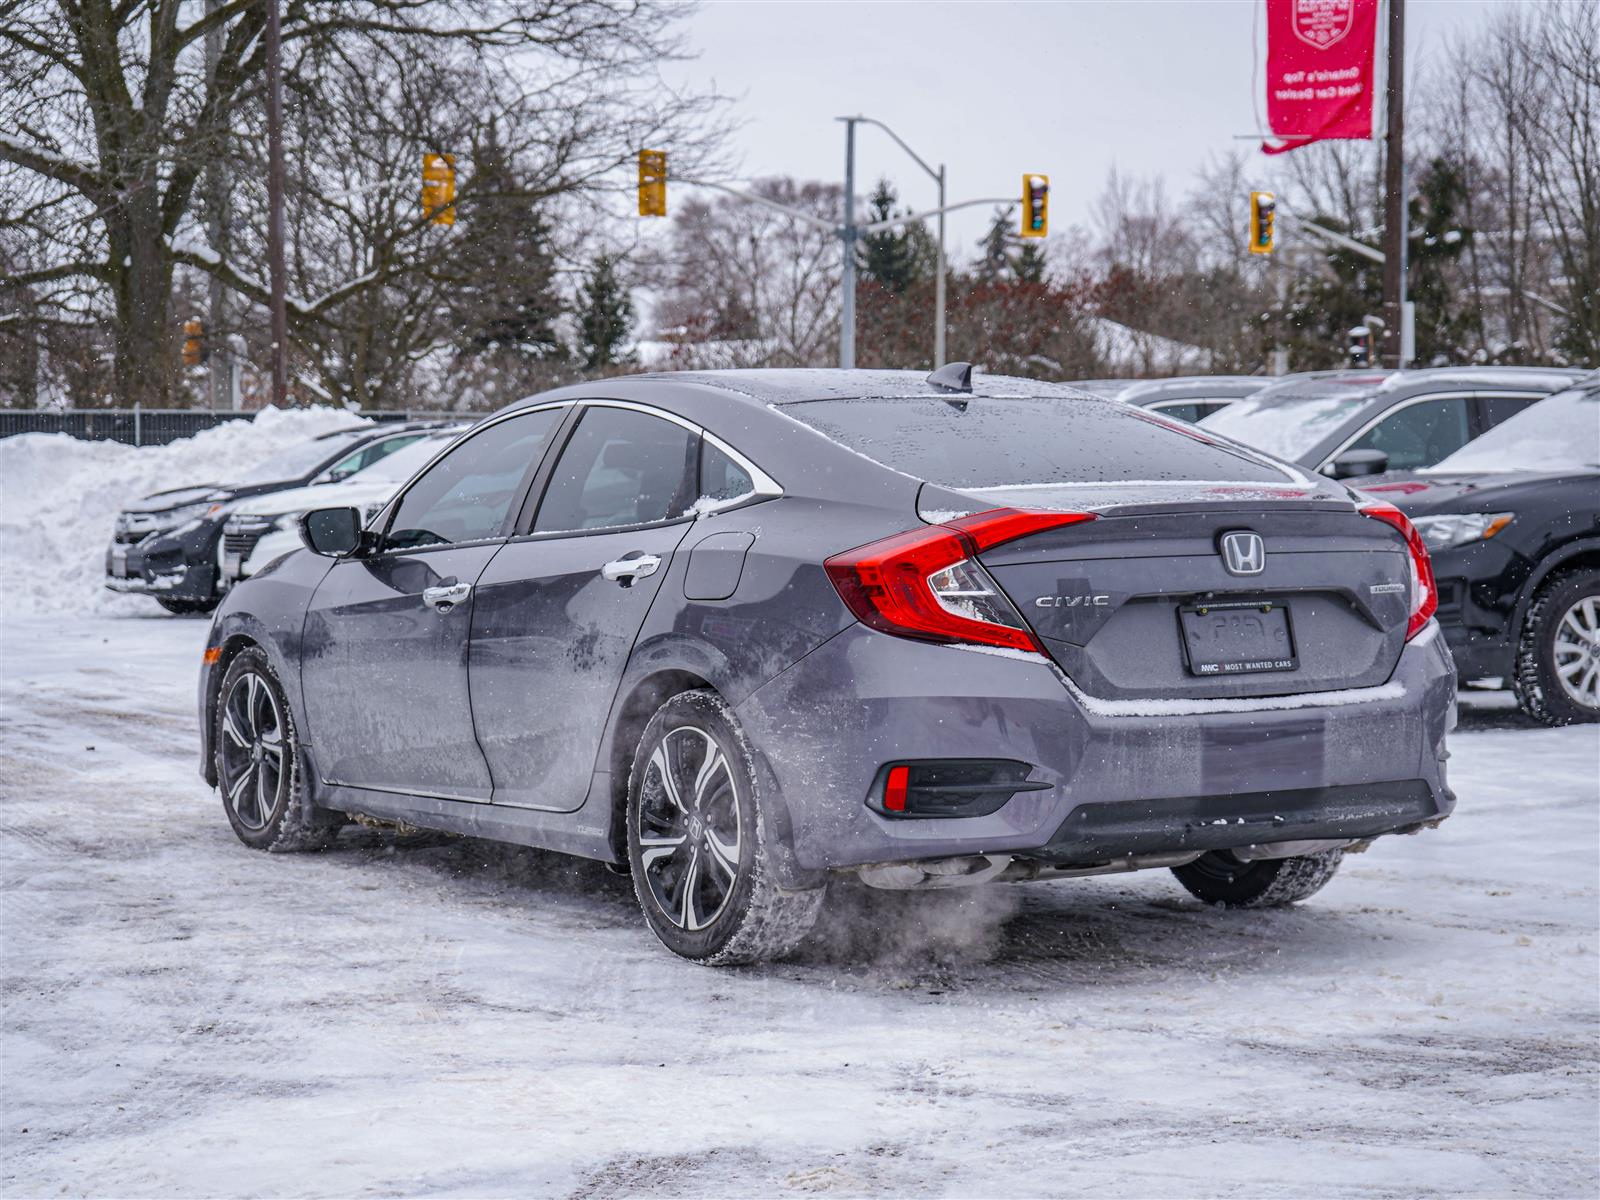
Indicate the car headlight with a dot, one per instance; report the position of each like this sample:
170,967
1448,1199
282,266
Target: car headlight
1457,529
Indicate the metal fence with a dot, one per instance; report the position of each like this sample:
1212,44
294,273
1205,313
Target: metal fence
135,426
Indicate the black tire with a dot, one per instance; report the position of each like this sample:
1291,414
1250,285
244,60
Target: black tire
1553,640
260,774
188,608
1220,878
706,887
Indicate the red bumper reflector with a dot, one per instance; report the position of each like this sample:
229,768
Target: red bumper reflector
894,789
212,656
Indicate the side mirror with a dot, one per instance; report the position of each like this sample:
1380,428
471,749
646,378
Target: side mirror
1353,464
333,532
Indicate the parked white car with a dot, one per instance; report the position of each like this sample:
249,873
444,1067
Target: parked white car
264,529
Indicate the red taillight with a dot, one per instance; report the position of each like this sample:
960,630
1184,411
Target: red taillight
1424,592
926,583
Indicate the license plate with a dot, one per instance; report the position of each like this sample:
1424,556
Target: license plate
231,565
1237,639
119,562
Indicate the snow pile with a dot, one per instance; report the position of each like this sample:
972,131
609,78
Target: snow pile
59,497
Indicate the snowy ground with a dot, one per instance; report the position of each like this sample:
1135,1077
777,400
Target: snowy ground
185,1017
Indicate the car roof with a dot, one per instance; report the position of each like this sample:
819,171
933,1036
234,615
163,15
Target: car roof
1194,387
775,387
1413,382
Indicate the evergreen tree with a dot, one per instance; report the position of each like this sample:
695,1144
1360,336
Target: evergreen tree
895,258
1029,262
502,277
605,317
997,245
1438,238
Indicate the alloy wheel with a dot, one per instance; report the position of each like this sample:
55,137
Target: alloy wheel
1577,652
691,833
252,751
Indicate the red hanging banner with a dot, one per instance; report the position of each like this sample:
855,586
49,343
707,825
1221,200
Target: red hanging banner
1321,75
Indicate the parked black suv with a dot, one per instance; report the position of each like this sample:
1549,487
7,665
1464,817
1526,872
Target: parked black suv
165,545
1512,521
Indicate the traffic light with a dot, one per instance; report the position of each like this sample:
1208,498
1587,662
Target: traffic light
1262,206
439,187
652,183
194,342
1035,205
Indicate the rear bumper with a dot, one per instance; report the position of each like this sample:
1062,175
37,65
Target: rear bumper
1169,778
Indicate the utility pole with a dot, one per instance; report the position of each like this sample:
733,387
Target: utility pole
218,218
1394,195
847,301
280,315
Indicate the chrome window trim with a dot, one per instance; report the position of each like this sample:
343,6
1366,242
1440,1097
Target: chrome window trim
1322,467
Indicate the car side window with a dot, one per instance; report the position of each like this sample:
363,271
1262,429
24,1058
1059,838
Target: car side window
464,497
1419,435
1182,410
363,458
620,467
1495,409
720,477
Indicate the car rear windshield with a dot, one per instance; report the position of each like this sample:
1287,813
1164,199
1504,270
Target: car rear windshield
298,460
1290,423
1560,433
988,442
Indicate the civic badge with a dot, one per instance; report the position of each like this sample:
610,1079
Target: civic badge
1244,553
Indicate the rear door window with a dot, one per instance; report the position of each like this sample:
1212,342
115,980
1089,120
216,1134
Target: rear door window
993,442
620,467
1419,435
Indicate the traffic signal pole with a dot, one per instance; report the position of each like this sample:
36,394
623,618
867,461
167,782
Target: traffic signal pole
1394,195
275,263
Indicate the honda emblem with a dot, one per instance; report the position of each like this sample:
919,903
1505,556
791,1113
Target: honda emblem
1244,553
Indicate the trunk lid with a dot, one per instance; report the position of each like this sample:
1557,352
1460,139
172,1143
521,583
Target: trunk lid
1127,605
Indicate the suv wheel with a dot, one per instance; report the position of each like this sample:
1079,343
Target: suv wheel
1220,878
258,762
1558,655
697,841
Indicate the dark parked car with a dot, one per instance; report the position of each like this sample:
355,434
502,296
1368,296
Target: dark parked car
1191,397
1513,523
1358,423
746,631
165,545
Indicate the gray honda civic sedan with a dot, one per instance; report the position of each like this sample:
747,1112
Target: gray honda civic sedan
742,633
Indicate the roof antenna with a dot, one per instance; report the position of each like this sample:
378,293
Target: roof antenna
953,377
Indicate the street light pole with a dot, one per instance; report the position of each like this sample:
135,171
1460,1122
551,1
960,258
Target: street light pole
939,283
275,264
847,302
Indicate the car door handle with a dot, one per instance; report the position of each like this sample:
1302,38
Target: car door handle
443,599
634,566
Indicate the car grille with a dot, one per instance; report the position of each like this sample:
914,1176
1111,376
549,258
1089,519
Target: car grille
241,534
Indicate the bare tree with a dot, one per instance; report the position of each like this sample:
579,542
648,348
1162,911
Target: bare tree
111,120
747,286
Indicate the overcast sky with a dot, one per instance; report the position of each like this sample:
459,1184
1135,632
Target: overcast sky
996,89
